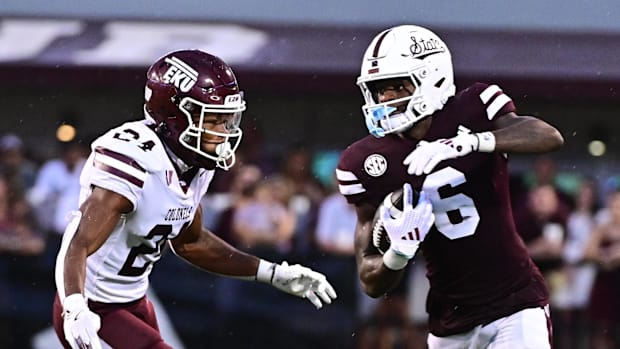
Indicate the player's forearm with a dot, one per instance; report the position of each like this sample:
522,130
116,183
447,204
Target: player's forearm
375,278
529,135
215,255
75,270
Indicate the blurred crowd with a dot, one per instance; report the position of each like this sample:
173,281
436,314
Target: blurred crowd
290,209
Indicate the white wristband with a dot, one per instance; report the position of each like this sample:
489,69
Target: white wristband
394,261
486,142
265,271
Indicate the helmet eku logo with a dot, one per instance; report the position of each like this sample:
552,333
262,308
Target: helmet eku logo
180,74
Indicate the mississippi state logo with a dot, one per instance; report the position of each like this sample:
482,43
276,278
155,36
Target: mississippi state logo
375,165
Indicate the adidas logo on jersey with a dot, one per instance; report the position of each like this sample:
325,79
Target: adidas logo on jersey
180,74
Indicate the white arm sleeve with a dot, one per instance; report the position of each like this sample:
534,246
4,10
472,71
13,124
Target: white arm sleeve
74,222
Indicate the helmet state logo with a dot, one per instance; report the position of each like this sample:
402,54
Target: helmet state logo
375,165
423,47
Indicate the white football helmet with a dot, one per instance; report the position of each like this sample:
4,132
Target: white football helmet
410,52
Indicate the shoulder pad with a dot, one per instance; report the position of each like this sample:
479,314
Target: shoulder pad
137,142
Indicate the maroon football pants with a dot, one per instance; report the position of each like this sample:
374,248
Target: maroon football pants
123,326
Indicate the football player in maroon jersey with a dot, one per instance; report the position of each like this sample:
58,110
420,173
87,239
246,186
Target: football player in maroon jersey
485,291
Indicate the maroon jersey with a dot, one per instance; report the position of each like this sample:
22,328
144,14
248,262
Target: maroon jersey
478,267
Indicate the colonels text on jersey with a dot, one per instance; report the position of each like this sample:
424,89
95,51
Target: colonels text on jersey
128,161
473,225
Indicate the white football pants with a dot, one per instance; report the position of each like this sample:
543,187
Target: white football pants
526,329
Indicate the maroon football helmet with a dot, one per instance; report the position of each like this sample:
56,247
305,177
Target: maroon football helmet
182,87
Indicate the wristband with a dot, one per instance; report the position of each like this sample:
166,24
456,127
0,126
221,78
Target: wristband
394,261
486,142
265,271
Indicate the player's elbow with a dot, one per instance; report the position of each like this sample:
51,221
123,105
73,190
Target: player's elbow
374,293
372,289
555,140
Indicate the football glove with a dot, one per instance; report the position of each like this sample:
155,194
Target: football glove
408,229
297,280
424,158
80,324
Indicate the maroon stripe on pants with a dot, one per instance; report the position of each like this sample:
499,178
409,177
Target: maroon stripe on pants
549,325
123,325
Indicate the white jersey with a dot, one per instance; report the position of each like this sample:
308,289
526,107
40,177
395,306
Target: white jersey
132,161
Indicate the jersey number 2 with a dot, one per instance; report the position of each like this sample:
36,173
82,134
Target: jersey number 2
160,232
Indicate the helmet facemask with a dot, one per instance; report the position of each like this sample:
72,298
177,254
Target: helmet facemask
191,137
392,116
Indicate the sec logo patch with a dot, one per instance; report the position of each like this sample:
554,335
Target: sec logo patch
375,165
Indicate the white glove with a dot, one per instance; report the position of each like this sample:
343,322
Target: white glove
80,324
297,280
427,155
408,229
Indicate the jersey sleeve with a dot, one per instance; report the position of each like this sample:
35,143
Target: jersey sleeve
351,179
120,161
490,102
371,168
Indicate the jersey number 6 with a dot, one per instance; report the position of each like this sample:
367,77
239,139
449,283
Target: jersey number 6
462,203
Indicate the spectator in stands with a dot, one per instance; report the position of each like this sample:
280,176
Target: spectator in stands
542,225
297,167
336,226
57,187
572,303
545,171
264,224
17,233
308,192
220,208
603,248
16,168
609,186
22,297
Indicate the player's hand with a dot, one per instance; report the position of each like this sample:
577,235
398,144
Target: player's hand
410,228
80,324
424,158
303,282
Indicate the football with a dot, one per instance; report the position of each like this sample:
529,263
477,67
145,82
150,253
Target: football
394,203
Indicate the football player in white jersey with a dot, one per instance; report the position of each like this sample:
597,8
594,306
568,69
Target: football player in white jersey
141,188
